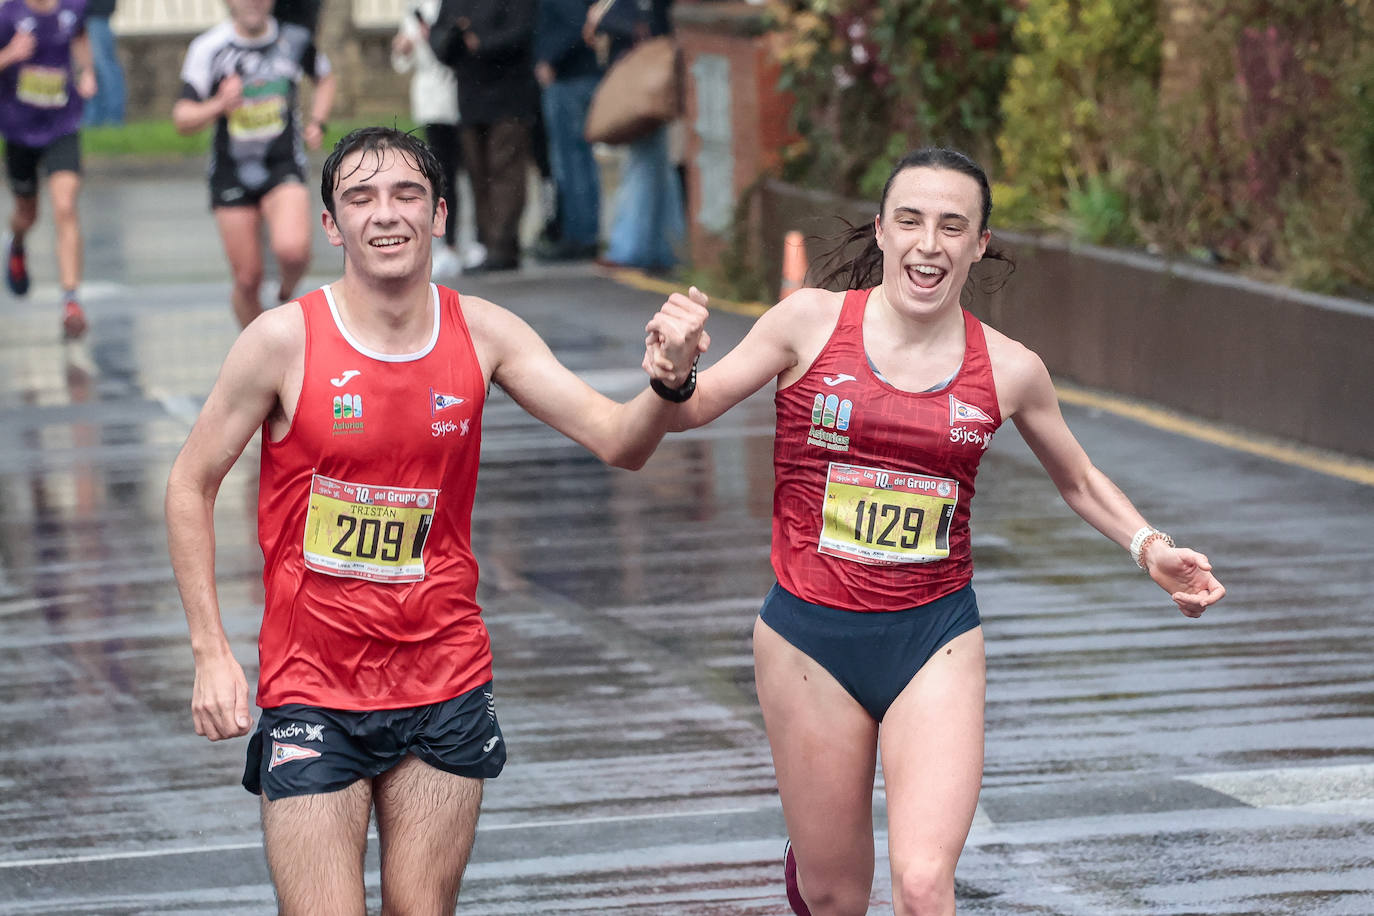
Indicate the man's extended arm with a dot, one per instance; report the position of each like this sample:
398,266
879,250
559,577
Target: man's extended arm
621,434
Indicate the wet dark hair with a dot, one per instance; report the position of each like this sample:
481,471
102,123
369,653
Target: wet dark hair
377,140
860,269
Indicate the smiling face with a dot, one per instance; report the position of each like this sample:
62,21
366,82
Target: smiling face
930,235
384,215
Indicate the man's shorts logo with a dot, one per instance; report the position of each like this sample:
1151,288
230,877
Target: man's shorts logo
289,753
306,732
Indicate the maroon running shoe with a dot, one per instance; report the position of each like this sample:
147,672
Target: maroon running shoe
73,320
789,875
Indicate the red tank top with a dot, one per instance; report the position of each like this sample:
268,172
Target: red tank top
365,517
873,484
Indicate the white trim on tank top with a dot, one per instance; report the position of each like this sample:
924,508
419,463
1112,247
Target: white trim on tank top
386,357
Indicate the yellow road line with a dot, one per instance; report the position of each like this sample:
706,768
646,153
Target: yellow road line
1312,459
640,280
1323,462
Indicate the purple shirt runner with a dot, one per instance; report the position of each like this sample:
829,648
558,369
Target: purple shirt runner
38,97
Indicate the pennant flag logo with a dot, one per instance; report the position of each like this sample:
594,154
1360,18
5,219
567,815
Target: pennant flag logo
959,412
286,753
438,402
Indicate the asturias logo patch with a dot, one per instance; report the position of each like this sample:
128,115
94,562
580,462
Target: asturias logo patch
829,419
348,413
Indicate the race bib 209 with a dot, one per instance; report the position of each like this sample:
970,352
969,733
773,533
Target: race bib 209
367,532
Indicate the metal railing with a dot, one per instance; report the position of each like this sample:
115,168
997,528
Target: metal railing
160,17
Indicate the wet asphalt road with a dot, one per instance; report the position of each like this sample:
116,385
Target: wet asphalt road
1137,762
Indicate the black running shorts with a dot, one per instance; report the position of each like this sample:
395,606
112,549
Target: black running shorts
228,189
308,750
21,162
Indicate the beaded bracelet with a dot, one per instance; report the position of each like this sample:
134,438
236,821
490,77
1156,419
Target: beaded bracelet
1142,539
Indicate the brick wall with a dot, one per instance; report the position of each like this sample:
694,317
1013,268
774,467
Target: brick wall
736,118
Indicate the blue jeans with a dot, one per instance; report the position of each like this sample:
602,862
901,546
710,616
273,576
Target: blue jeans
107,105
574,169
649,222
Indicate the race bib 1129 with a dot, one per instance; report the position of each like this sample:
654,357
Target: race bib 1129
885,518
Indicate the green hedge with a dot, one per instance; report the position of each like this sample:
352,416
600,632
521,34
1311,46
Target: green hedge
154,139
1078,100
1241,132
874,78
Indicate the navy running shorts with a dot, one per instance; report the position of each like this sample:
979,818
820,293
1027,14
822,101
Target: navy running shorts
874,655
309,750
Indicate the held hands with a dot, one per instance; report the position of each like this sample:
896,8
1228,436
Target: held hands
1186,575
675,336
219,699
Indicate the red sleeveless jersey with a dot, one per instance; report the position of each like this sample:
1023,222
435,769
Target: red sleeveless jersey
873,484
365,517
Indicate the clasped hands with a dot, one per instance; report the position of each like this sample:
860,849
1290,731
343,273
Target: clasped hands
675,336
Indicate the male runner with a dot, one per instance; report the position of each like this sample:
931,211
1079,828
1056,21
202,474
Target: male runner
243,76
46,72
375,666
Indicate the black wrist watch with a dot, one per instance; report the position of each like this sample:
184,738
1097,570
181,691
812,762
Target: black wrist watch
682,392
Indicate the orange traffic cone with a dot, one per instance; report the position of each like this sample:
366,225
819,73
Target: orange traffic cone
793,264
